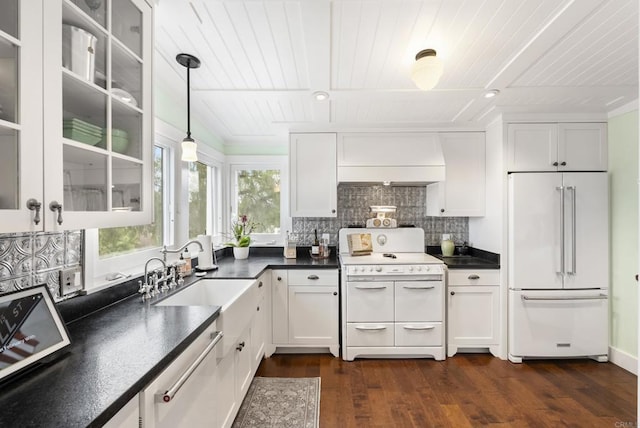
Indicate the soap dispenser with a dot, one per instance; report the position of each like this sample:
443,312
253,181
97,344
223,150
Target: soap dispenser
446,245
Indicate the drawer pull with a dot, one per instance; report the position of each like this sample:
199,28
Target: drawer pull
415,327
473,276
169,394
569,298
313,277
371,328
377,287
418,287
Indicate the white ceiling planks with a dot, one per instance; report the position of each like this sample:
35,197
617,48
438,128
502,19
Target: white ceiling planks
262,60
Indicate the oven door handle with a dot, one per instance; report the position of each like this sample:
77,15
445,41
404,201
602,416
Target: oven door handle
372,287
419,327
371,328
418,287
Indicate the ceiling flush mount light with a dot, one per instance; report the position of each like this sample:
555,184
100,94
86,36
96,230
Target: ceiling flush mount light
189,146
427,69
320,95
491,93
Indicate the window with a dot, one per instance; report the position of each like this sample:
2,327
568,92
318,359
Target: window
122,240
256,192
198,199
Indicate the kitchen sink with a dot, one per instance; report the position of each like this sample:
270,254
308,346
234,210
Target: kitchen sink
237,299
209,292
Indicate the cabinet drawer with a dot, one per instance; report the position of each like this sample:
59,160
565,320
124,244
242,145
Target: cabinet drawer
418,301
474,277
369,334
419,334
313,277
370,301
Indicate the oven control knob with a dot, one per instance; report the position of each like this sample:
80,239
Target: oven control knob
418,268
362,269
378,268
410,268
426,268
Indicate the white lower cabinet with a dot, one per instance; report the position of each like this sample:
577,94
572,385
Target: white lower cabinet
261,321
166,402
473,303
127,417
304,309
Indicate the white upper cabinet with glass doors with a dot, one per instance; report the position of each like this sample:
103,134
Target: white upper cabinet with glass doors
20,114
98,113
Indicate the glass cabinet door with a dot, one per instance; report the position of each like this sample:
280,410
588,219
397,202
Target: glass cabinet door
20,115
104,129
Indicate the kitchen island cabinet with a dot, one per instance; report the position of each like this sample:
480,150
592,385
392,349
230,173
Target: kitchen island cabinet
551,147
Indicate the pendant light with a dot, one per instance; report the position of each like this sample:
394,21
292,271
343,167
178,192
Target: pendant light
426,70
189,146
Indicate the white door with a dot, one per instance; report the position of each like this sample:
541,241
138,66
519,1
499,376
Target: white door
586,230
582,147
313,315
532,147
418,300
534,231
473,315
370,301
558,323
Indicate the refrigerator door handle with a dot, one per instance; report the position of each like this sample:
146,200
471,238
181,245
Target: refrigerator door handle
598,297
561,189
572,189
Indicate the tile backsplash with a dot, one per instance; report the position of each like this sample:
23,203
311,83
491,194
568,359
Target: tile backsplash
28,259
353,209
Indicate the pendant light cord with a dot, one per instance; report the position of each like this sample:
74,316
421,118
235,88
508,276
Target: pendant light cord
189,101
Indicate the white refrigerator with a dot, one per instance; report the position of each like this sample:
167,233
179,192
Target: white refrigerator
558,265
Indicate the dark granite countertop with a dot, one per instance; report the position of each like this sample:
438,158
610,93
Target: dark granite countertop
473,258
118,346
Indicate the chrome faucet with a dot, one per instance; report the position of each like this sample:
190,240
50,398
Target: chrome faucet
149,288
165,250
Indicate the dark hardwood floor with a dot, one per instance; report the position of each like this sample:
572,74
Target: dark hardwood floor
467,390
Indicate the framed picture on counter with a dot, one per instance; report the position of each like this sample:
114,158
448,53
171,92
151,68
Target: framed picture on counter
31,330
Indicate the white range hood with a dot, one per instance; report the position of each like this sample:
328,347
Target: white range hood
397,158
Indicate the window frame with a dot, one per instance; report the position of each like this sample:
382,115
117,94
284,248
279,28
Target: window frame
281,163
132,263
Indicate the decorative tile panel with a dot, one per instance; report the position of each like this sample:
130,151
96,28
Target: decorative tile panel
28,259
353,209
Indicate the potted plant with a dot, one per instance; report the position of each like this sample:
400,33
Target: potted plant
241,230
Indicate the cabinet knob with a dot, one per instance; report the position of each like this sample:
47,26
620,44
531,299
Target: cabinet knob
333,211
260,284
34,205
555,164
563,163
441,210
473,276
56,206
335,293
240,346
453,293
279,278
258,309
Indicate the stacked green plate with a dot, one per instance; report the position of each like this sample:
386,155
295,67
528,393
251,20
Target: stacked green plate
119,140
81,131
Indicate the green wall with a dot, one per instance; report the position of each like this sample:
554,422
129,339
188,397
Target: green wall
623,176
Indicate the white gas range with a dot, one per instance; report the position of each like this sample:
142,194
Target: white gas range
392,299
